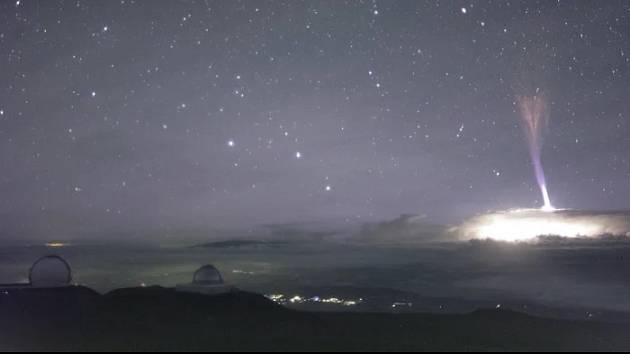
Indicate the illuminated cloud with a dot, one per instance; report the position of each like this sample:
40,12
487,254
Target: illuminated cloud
528,224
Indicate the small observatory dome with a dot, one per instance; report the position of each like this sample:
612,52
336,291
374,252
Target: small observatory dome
207,275
50,271
208,281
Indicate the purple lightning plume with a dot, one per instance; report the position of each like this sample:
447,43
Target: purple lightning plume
534,119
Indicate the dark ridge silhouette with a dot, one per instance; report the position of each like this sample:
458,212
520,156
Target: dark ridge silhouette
155,318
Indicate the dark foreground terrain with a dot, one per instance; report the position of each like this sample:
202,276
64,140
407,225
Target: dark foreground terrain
77,318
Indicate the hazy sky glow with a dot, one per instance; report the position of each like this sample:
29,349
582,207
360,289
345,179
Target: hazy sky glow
120,116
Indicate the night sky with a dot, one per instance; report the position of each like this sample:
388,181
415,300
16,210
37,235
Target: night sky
166,116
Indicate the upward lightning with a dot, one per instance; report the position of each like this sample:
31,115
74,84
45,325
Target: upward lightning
534,120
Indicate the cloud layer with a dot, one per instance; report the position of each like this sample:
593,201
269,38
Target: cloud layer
528,224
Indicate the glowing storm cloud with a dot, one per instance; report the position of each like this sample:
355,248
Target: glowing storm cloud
56,244
528,224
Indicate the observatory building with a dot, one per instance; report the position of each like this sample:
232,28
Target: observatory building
50,272
206,280
46,272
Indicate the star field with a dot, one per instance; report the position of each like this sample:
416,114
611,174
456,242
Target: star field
165,116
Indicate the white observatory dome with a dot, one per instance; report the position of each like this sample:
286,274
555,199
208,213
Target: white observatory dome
207,275
50,271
